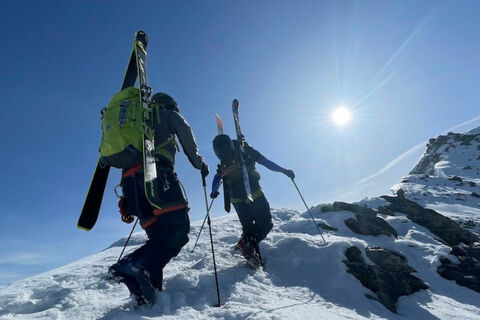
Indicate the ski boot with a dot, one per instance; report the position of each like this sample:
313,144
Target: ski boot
136,279
249,251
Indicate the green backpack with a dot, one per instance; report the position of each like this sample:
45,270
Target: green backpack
122,127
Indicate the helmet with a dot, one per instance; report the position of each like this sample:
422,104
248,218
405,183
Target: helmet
165,101
223,146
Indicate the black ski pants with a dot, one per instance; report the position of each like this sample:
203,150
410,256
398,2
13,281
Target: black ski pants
168,234
255,217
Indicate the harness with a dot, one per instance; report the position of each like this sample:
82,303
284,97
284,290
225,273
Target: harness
255,195
156,212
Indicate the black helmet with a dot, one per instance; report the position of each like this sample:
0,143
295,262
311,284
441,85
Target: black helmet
223,147
165,100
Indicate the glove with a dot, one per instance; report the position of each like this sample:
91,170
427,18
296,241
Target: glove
215,194
204,170
122,205
289,173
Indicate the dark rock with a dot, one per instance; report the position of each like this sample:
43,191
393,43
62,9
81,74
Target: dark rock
400,193
389,260
370,226
385,211
325,226
470,224
389,278
343,206
467,272
354,254
448,230
467,139
472,184
476,195
455,178
366,221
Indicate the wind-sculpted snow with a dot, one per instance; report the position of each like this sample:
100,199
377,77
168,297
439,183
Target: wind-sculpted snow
304,278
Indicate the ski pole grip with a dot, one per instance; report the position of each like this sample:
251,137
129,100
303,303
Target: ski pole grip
204,182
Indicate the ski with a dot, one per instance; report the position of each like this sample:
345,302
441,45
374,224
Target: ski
219,124
91,207
241,143
149,166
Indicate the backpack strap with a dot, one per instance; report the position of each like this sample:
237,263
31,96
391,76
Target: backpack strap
160,148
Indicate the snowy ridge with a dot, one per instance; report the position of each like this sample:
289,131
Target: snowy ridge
447,178
303,278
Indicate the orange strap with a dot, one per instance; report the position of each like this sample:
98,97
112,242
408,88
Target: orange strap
149,222
132,171
158,212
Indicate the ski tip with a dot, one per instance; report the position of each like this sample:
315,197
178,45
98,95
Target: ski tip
142,37
83,228
219,123
235,103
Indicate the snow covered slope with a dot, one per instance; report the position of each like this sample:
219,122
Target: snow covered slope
447,178
303,278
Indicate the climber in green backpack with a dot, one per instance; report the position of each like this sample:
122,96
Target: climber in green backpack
167,228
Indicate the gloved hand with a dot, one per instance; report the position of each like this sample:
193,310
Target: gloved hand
289,173
204,169
215,194
122,205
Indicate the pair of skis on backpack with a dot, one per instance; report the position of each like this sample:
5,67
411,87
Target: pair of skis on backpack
136,69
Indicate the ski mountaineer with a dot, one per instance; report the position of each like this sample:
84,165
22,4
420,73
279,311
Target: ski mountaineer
255,216
167,228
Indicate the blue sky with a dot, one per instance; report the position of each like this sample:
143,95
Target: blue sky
407,69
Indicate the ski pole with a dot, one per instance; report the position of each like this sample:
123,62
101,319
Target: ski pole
201,228
128,239
311,215
211,239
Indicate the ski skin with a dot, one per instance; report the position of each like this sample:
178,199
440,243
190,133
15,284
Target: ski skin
91,208
241,140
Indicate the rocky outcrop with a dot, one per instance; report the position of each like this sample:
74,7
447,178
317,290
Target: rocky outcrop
389,278
464,243
436,148
467,272
446,229
366,221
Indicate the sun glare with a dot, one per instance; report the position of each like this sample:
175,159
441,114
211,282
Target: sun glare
341,116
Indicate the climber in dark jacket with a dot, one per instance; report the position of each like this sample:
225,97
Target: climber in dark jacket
254,213
167,228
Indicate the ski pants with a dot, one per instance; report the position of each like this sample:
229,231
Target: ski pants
255,217
167,235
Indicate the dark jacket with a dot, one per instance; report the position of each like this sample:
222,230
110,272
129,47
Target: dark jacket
231,172
167,125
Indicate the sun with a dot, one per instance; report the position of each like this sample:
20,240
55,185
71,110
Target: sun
341,116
